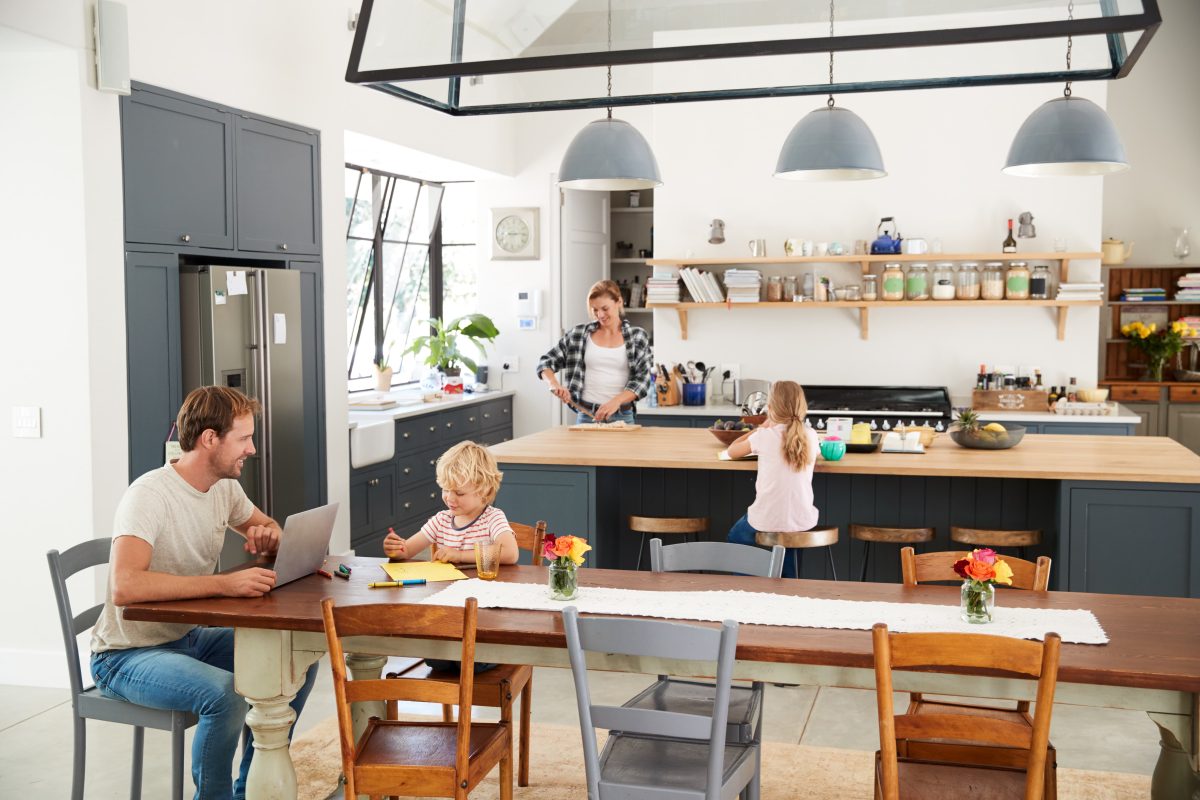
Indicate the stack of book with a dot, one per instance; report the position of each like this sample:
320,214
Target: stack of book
1189,287
1080,291
662,286
1149,295
701,285
743,285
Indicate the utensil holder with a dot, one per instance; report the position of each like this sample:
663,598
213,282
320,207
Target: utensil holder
693,394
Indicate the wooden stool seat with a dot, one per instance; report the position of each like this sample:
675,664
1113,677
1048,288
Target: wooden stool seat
677,526
797,541
872,534
980,537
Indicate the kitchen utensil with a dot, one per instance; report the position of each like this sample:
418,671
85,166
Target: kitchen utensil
885,243
744,387
758,247
983,439
1092,395
756,403
1114,251
915,247
693,394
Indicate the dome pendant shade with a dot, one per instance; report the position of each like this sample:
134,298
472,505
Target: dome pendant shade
609,155
830,144
1066,136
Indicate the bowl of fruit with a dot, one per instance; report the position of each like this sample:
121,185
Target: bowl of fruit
970,432
729,431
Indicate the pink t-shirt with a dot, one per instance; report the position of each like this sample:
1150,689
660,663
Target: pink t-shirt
486,527
783,497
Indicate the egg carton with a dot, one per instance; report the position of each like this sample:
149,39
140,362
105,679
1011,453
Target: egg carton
1085,409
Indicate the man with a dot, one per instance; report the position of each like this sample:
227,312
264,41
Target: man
167,537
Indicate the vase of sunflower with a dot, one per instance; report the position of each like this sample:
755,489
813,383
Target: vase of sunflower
565,555
981,570
1158,346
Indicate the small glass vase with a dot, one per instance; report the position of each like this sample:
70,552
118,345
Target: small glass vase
977,602
1154,369
564,581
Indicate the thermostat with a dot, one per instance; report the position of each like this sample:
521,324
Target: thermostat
529,303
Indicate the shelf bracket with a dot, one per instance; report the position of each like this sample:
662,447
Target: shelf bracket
1064,271
682,323
864,323
1062,322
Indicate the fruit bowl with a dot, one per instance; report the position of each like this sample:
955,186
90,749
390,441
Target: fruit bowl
755,419
729,435
984,439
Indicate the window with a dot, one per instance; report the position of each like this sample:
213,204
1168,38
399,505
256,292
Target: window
410,256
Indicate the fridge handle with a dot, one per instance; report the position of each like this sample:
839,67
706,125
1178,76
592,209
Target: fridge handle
262,384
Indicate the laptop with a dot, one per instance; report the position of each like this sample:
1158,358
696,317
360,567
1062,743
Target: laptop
304,543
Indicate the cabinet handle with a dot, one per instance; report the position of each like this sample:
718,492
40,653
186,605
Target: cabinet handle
432,495
506,411
432,428
433,462
408,505
406,434
187,237
373,482
472,419
449,424
283,246
407,470
487,416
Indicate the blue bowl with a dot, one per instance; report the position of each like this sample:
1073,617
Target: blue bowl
833,451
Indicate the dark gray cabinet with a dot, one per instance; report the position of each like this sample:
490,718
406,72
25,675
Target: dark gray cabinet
178,170
1151,417
372,499
1183,424
312,338
152,351
278,188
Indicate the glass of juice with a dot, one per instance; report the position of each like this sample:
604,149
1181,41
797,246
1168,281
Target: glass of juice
487,560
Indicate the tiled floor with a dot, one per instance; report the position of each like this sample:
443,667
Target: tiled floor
35,732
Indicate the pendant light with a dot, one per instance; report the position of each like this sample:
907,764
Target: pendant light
609,154
1066,136
830,144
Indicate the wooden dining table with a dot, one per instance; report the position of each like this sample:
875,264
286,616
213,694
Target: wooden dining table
1151,662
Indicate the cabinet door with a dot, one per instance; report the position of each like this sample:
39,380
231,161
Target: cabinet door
278,202
178,170
372,500
312,354
152,353
1149,412
1183,425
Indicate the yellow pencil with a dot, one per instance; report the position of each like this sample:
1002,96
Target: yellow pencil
388,584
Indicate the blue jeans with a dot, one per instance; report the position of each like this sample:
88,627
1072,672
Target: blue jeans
743,533
193,674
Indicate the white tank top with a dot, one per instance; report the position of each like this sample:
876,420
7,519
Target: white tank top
606,372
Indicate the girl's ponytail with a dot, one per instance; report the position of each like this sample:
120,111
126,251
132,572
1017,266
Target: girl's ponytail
789,406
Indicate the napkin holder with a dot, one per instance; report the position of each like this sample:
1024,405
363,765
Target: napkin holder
910,442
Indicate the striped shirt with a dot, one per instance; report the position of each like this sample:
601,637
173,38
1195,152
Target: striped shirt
441,532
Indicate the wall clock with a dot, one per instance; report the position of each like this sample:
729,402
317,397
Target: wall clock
515,234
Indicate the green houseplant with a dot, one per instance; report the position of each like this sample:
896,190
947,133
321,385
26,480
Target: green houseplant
441,347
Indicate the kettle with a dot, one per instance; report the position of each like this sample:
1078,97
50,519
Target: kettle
885,244
1114,251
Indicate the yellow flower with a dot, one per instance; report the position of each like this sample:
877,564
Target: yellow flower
579,546
1153,327
1178,326
1124,330
1003,572
1146,332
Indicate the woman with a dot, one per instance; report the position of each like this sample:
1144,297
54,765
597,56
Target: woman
606,362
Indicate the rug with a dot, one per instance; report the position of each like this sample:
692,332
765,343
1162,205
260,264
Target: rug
788,771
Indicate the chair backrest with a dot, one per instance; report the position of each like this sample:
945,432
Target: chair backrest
727,557
82,556
390,619
530,538
933,652
652,639
925,567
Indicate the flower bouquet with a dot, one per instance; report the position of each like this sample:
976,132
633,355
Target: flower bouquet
1158,346
564,554
981,570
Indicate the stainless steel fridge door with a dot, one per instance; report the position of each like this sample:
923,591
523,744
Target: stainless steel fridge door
283,390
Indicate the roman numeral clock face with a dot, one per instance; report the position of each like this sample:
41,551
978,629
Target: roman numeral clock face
512,234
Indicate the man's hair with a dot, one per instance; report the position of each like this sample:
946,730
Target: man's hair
469,466
213,407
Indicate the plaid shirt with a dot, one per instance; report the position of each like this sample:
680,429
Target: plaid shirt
567,356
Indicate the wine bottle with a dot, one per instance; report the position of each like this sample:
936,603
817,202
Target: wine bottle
1053,398
1010,244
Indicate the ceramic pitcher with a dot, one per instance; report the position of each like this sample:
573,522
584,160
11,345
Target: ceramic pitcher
1114,251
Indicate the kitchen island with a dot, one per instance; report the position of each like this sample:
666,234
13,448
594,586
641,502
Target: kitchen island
1119,515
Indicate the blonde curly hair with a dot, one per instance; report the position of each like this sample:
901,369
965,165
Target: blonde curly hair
467,465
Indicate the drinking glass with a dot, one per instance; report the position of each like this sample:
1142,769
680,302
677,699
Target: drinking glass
1183,248
487,560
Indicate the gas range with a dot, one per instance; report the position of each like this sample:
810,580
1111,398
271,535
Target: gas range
885,407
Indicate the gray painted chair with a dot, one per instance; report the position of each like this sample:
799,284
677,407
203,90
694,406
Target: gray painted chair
651,754
89,703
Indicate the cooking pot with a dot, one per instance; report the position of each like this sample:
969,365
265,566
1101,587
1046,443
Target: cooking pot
1114,251
884,243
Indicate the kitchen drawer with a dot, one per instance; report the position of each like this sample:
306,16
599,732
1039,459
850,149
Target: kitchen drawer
495,435
495,412
417,466
1135,394
422,431
1184,394
458,425
421,498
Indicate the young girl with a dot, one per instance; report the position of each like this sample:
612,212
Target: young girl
787,452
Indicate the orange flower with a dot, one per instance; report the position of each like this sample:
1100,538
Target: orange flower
562,546
978,571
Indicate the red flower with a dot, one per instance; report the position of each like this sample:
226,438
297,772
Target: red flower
960,567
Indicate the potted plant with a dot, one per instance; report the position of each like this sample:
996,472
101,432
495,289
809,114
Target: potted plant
383,375
441,347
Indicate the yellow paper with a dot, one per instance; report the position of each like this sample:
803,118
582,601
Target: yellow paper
431,571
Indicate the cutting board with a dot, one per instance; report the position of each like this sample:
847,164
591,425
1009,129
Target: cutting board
600,426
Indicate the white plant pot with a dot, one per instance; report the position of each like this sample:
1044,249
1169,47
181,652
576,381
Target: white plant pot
383,379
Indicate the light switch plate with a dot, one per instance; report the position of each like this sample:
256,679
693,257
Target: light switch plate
27,422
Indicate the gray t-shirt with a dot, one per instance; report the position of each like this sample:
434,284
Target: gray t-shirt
186,528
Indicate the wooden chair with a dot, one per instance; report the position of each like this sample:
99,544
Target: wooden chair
496,687
902,771
980,537
796,541
939,566
672,526
872,534
424,759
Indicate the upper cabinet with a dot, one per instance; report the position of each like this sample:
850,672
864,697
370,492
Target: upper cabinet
178,165
277,188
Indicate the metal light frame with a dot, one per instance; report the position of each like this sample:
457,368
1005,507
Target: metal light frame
1112,25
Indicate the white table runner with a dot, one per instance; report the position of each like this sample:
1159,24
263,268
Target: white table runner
1077,626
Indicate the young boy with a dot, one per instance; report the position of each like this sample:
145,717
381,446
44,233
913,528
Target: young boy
469,479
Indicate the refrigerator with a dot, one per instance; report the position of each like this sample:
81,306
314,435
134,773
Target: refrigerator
240,326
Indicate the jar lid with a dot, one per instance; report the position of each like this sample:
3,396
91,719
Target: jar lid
920,265
945,265
970,265
892,265
995,264
1019,264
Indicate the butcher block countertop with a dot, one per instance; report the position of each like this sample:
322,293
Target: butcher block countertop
1135,459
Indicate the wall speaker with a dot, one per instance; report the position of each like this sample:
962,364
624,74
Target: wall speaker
112,47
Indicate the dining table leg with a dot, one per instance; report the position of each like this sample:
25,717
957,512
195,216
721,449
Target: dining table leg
365,668
1177,773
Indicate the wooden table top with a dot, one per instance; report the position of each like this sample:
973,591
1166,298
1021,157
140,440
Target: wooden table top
1154,641
1150,459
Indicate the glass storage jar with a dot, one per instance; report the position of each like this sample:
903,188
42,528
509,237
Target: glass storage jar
851,292
992,281
870,287
1039,283
916,285
789,288
774,289
967,287
893,282
943,281
1016,282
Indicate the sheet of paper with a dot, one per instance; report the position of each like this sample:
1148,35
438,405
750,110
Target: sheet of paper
280,328
235,282
218,297
432,571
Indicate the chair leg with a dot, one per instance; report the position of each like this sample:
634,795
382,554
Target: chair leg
135,779
506,772
832,566
641,547
447,713
77,769
796,561
866,558
526,722
178,732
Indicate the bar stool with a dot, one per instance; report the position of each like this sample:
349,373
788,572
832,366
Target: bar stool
872,534
675,526
797,541
980,537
